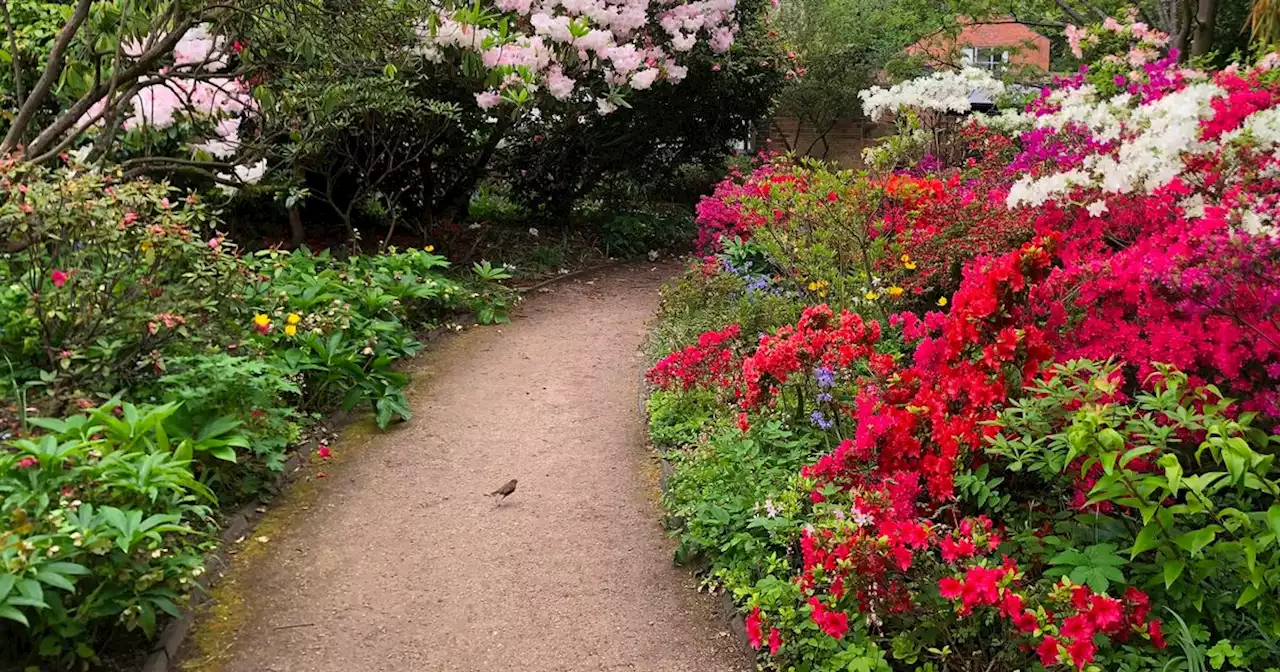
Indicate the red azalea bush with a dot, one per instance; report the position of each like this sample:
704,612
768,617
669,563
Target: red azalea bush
1129,219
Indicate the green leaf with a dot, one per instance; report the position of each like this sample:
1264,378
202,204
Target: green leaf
1250,594
224,453
1147,539
1196,540
67,568
56,580
1273,518
1172,570
13,615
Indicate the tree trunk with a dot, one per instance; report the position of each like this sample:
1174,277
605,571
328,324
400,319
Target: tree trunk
297,233
1202,31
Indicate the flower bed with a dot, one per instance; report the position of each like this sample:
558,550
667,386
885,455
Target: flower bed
1021,414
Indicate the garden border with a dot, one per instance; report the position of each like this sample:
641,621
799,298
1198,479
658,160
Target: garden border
728,609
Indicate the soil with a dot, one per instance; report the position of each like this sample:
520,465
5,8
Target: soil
397,560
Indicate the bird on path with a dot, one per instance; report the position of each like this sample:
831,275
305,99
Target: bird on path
505,490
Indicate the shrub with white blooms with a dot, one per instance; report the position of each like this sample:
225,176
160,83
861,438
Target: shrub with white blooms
941,92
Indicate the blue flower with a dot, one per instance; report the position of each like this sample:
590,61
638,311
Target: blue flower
826,377
820,420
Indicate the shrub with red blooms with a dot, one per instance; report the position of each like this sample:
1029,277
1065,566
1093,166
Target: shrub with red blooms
925,416
721,215
709,363
1147,284
818,339
935,225
1065,633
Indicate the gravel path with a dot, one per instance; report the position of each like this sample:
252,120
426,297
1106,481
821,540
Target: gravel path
397,560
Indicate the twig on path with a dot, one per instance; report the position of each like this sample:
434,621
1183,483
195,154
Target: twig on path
295,625
566,276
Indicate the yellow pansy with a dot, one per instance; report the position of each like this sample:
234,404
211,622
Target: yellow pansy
895,291
910,265
942,301
430,248
906,258
261,320
871,296
293,318
290,330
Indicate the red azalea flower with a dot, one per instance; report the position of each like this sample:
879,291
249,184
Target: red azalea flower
1105,611
1049,652
743,424
1078,627
1157,635
1026,621
754,634
1081,651
832,197
775,641
59,278
950,588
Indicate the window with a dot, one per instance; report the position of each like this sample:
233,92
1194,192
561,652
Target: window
987,58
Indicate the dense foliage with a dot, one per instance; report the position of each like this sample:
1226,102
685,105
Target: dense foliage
1009,406
153,371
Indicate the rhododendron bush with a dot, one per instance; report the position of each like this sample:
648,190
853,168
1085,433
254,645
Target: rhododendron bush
1040,380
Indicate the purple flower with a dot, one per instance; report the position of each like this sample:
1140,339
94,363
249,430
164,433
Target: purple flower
824,398
825,376
820,420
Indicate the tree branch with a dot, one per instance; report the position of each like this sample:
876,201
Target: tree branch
142,66
18,85
52,70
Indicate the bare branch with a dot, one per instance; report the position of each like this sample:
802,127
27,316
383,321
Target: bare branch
1071,12
52,70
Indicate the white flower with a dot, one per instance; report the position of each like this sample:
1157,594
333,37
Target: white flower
941,91
1096,208
533,232
605,107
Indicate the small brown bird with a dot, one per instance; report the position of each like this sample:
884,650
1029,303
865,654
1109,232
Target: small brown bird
505,490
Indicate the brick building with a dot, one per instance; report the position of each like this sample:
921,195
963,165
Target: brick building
991,45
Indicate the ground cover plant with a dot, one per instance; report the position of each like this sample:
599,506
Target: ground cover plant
1008,403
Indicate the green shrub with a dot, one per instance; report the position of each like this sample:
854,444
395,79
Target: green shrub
102,277
737,498
105,526
700,302
1176,480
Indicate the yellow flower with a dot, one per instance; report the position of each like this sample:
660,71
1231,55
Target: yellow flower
906,258
895,291
813,286
910,265
146,245
871,296
290,330
261,320
942,301
430,248
293,318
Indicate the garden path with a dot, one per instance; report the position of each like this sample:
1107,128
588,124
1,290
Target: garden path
398,561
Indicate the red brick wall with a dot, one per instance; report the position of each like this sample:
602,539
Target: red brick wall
843,143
